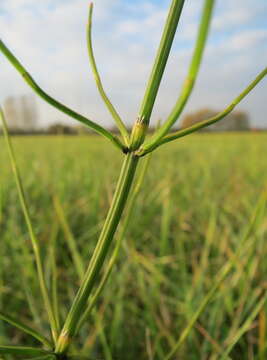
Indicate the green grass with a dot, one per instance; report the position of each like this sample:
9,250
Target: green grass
203,197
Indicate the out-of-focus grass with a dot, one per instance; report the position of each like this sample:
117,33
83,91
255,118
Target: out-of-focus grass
200,196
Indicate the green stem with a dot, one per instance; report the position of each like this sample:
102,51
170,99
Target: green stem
34,240
122,232
191,77
98,81
113,218
31,82
140,127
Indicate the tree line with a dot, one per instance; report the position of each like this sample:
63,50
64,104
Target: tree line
23,118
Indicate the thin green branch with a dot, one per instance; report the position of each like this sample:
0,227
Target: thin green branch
139,130
31,82
191,77
98,81
34,240
25,328
183,132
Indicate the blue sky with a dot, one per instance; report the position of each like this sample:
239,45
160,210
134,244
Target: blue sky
48,36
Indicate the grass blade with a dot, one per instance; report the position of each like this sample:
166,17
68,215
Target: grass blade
244,328
31,82
98,81
54,273
221,277
45,357
25,328
77,259
34,241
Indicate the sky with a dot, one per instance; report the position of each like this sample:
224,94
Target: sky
48,37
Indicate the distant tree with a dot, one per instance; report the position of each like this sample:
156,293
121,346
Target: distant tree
114,129
200,115
82,130
61,129
235,121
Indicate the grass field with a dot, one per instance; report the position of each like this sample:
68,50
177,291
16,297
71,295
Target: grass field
202,206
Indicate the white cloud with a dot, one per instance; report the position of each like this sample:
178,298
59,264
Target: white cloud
230,18
245,40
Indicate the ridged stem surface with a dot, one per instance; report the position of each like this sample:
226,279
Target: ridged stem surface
112,220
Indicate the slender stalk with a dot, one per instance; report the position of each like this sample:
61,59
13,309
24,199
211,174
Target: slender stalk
183,132
191,77
98,81
114,215
139,129
34,241
31,82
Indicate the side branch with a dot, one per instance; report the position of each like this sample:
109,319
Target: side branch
31,82
204,123
98,81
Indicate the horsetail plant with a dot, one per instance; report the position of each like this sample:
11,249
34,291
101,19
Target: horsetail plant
133,146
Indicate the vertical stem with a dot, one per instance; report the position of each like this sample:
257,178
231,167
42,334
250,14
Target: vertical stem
139,129
161,58
191,77
113,258
113,218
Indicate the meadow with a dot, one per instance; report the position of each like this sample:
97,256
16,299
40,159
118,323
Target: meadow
202,205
